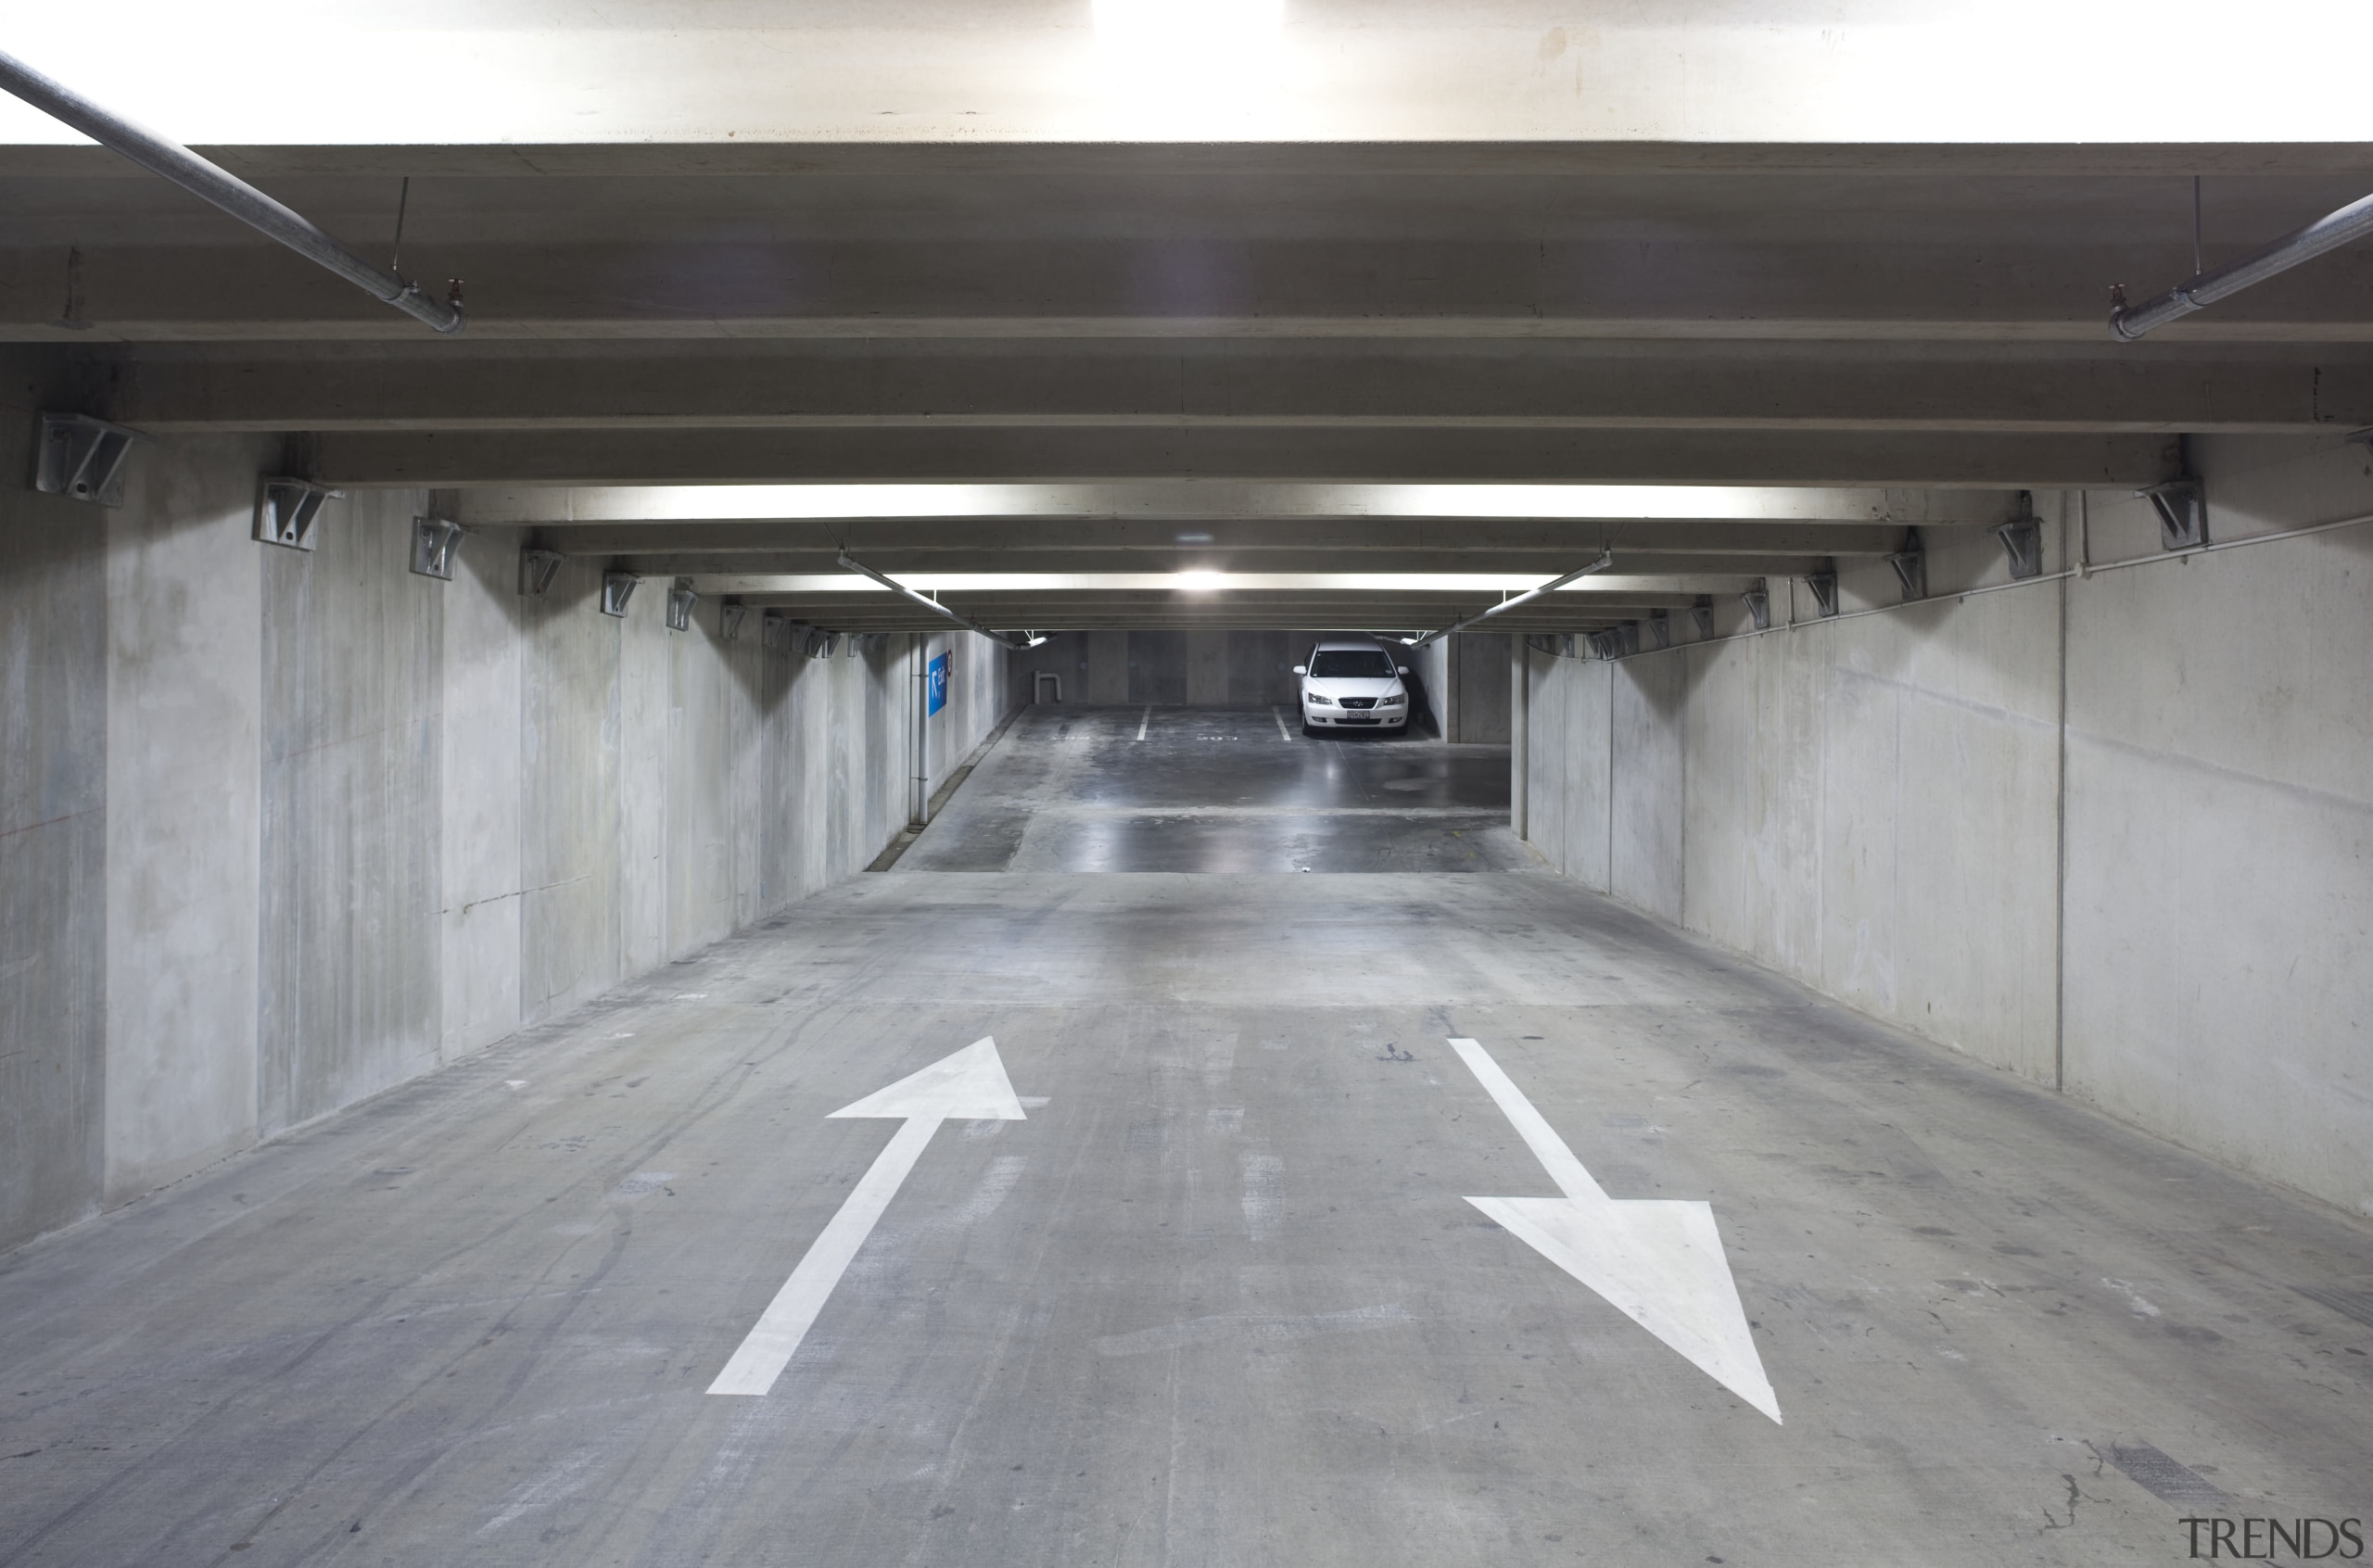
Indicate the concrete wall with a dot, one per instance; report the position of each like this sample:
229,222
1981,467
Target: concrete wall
1463,685
1480,667
1243,669
1201,669
1170,667
53,842
279,830
2113,833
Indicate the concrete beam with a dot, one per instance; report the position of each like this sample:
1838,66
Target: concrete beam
990,559
1334,161
1455,543
710,282
1076,612
1870,459
2100,387
1022,71
1228,509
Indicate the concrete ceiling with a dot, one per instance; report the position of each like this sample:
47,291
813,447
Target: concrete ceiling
1919,328
882,72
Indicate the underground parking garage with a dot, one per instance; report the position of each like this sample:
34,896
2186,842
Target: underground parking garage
684,877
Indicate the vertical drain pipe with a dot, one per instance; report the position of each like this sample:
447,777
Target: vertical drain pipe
1519,735
919,786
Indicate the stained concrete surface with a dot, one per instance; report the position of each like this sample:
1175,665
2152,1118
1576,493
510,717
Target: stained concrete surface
2033,825
280,828
1213,790
1219,1299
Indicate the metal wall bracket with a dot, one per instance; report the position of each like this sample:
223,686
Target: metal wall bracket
2182,506
433,544
289,510
731,615
2023,541
1659,629
538,568
818,643
774,631
680,600
616,589
1630,632
1757,600
1702,615
83,458
1824,586
1606,644
1910,565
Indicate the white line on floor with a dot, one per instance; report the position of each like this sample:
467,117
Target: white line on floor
1278,713
1143,722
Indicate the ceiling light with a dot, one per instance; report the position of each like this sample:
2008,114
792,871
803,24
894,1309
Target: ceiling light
1188,70
1206,28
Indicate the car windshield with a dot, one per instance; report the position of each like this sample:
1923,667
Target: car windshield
1353,663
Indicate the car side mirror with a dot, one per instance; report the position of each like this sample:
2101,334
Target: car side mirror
1403,668
1302,669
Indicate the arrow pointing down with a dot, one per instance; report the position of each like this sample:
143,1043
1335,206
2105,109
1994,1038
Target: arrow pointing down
970,1085
1657,1260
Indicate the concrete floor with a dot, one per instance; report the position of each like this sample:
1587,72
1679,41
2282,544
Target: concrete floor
1219,1298
1083,789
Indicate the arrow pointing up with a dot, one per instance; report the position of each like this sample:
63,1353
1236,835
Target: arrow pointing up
1658,1261
970,1085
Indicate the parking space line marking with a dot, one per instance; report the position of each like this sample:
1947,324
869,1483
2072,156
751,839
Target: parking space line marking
1143,722
1279,714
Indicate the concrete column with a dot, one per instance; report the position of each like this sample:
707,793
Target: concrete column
184,713
1519,730
1450,689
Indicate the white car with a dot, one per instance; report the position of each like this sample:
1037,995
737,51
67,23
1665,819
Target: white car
1352,683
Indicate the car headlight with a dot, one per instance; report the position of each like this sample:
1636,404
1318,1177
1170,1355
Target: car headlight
1391,702
1318,701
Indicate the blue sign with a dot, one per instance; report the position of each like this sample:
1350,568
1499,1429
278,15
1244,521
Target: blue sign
937,682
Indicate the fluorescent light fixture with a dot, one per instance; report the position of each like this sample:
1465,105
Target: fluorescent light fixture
1126,582
1188,70
1197,24
1193,503
1182,44
862,569
1605,559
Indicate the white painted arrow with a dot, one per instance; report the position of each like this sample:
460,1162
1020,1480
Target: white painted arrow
1656,1261
968,1086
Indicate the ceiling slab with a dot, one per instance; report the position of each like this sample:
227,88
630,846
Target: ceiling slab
1750,458
1219,386
888,542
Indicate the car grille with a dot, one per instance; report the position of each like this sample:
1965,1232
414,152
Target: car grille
1357,701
